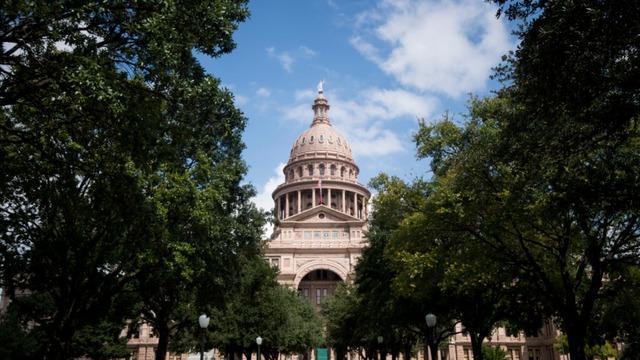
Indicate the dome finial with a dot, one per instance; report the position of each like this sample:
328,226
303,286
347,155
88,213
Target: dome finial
320,107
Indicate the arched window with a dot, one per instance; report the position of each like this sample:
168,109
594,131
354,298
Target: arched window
291,174
333,170
337,141
303,141
321,169
310,170
342,171
311,139
350,173
321,138
299,171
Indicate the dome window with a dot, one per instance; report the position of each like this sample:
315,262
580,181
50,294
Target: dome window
310,169
299,171
303,141
330,139
321,139
321,169
342,170
311,139
338,141
332,170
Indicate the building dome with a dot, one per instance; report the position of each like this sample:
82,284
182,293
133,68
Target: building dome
321,140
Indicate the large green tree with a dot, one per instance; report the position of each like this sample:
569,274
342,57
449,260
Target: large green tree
546,172
109,132
259,306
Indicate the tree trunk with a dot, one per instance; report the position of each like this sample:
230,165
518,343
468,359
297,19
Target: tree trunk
576,337
476,345
407,353
163,342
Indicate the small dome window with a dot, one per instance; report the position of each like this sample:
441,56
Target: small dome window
303,141
310,170
321,139
321,169
338,141
311,139
330,139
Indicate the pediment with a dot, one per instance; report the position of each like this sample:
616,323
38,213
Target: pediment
321,214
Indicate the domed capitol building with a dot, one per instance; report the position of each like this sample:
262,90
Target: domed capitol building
321,211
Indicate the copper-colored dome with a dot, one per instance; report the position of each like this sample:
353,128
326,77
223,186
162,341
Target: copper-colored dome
321,140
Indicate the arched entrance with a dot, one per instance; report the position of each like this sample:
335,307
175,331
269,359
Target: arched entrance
318,285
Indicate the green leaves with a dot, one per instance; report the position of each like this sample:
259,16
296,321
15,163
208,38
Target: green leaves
121,167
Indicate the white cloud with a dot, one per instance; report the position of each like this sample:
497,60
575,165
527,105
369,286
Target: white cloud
288,57
263,92
439,46
307,52
304,95
364,120
263,199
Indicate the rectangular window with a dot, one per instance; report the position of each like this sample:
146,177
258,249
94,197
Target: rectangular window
335,234
318,296
316,234
307,234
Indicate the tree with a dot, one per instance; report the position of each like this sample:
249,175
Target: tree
544,173
456,276
493,353
259,306
559,222
106,115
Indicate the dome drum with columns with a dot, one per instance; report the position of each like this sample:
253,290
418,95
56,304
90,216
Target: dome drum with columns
321,210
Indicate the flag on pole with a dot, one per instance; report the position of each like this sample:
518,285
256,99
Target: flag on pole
320,186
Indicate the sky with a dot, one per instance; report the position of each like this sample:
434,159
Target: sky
385,64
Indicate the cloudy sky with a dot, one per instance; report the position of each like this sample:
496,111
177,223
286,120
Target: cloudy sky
385,64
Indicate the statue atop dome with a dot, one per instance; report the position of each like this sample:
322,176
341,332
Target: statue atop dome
320,85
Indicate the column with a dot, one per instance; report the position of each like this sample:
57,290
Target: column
344,201
329,197
313,197
286,205
278,208
299,202
355,204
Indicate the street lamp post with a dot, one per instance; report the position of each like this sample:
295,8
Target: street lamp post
203,320
259,342
380,340
430,319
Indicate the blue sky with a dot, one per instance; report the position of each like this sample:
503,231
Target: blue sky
385,63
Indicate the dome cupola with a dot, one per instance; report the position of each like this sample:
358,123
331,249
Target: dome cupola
321,140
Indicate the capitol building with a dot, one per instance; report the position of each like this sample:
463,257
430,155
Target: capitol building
321,211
